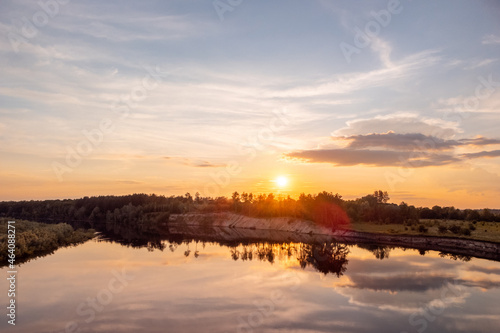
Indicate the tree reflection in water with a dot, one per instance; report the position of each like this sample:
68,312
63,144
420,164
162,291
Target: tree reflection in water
380,252
327,257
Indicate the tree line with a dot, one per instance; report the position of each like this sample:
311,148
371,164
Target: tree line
147,211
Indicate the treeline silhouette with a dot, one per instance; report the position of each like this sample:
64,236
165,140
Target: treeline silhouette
148,211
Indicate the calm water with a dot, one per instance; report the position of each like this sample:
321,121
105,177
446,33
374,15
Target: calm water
196,287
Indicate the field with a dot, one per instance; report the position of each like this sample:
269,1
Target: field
484,231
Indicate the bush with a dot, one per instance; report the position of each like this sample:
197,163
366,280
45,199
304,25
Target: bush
456,229
466,232
442,229
472,227
422,228
37,239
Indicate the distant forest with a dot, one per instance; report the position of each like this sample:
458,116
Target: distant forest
143,210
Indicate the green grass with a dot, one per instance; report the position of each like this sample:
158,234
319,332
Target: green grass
484,231
35,239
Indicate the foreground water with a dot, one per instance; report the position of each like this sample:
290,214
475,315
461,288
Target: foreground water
207,287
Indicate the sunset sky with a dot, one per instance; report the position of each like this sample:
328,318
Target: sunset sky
179,96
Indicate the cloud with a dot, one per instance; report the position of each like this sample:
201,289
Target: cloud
351,82
411,141
491,39
116,28
481,141
193,162
480,63
206,164
400,123
383,49
486,270
350,157
394,149
415,282
391,140
483,154
401,282
484,284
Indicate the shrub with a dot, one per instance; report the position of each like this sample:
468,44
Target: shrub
455,229
442,229
422,228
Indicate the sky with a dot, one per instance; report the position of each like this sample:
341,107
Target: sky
179,96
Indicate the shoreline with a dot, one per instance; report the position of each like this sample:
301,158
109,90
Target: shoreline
233,227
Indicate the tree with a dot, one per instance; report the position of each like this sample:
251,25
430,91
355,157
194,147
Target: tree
382,197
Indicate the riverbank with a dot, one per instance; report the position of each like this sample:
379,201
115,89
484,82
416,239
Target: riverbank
34,239
233,227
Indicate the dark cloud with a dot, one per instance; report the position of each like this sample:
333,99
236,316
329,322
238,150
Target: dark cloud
400,282
483,154
349,157
411,150
480,141
475,268
483,284
410,141
206,164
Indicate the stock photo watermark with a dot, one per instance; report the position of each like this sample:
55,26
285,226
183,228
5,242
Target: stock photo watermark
12,272
88,309
95,137
423,317
409,161
223,6
364,37
29,27
264,138
266,307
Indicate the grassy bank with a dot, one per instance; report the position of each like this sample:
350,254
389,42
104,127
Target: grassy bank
35,239
483,231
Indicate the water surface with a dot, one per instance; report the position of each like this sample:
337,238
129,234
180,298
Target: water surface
105,286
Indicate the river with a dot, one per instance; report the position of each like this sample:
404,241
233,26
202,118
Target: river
195,286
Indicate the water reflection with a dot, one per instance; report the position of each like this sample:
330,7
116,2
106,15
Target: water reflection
196,281
327,256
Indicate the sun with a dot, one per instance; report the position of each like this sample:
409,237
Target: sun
281,181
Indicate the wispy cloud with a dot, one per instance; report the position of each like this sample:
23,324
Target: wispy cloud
483,154
404,122
351,82
491,39
480,63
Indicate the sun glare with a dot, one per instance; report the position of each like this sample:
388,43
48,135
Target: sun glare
281,181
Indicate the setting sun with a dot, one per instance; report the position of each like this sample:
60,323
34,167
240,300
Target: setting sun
281,181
